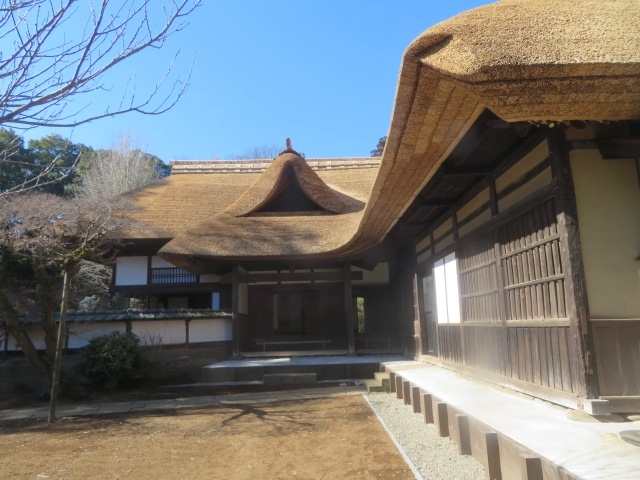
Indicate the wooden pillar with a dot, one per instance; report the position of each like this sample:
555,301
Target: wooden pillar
235,312
417,317
348,308
392,382
572,264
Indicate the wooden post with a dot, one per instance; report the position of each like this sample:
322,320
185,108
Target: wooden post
348,307
427,408
494,470
406,392
235,313
415,399
417,317
399,387
572,264
443,419
531,468
392,382
464,435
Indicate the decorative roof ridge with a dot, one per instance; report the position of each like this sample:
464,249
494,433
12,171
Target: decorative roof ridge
260,165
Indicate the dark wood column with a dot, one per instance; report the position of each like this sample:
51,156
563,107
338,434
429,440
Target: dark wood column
235,311
348,307
576,287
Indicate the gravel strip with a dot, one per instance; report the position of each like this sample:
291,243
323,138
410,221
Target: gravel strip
436,458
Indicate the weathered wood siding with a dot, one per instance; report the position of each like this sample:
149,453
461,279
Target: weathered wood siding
513,303
513,286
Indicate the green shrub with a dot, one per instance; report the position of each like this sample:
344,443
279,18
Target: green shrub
111,359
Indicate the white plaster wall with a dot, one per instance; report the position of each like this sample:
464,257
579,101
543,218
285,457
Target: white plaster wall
210,330
81,333
160,332
378,276
209,278
608,198
131,270
149,331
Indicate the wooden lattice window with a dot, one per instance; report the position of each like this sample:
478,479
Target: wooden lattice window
531,261
479,289
171,275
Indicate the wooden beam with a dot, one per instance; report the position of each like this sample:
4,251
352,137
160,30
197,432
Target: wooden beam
433,202
620,147
451,171
287,276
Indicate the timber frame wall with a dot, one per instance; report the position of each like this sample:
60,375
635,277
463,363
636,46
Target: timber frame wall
523,307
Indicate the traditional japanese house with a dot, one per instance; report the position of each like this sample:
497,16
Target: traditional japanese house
501,229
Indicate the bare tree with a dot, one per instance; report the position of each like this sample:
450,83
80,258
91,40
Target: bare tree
43,241
56,56
122,168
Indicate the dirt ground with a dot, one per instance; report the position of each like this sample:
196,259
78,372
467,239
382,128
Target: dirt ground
332,438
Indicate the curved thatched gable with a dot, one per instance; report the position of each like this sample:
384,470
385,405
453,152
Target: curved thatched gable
289,177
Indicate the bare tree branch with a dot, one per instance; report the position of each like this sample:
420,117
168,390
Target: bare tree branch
55,57
47,70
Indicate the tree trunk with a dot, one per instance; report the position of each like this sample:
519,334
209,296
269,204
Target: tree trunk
17,330
47,291
55,382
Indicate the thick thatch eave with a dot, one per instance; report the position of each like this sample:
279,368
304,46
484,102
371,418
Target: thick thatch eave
525,60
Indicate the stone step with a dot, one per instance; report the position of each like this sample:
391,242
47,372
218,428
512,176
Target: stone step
372,385
382,377
289,378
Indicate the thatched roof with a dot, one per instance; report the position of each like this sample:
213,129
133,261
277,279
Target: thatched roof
525,60
243,231
216,213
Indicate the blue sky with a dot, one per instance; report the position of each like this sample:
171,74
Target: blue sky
323,73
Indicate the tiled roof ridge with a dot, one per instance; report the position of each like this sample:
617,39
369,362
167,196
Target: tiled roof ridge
260,165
